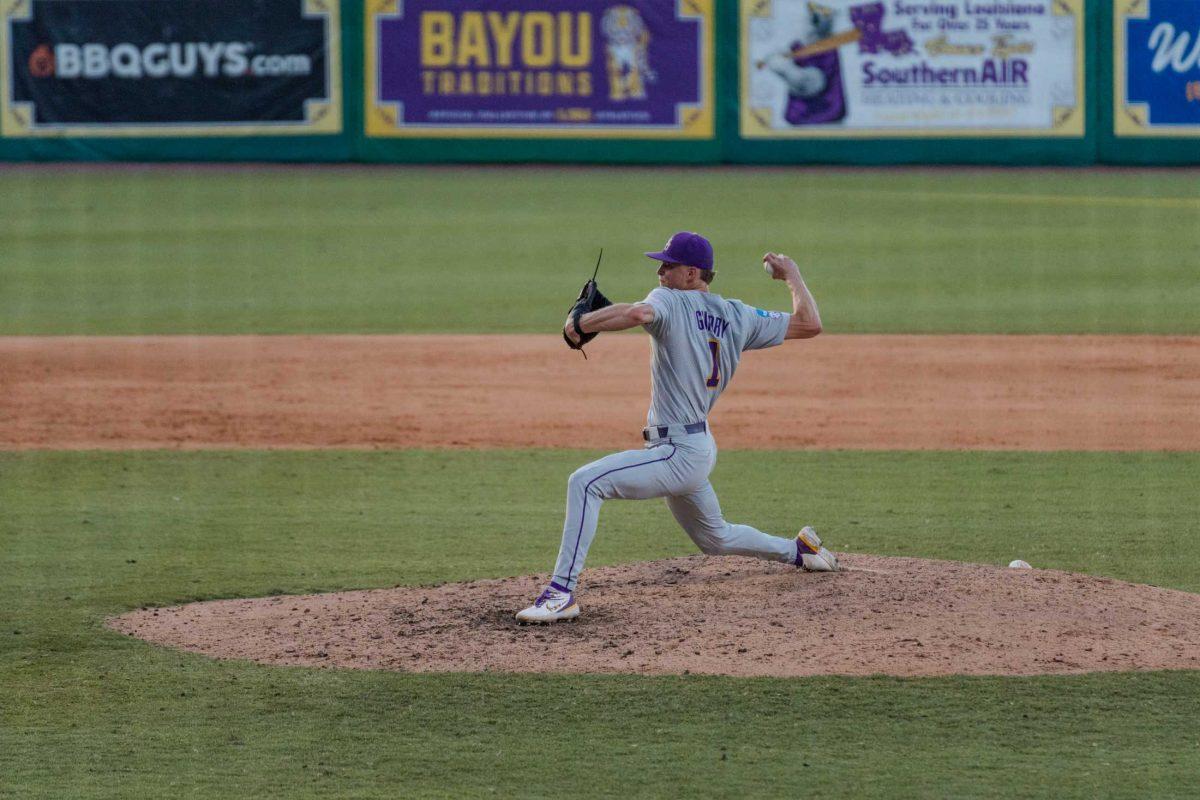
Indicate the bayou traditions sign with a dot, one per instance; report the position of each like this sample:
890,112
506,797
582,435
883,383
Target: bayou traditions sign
510,68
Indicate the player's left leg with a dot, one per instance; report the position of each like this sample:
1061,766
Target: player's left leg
628,475
655,471
699,514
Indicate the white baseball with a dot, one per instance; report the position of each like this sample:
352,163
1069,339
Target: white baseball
1019,564
767,269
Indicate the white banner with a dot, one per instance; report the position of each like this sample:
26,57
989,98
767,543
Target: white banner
911,68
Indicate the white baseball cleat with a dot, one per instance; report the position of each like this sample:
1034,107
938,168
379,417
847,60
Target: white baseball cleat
552,605
810,555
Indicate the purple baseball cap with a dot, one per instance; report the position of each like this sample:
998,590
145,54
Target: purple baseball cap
687,248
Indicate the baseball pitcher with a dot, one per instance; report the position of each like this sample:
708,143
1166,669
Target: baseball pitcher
697,339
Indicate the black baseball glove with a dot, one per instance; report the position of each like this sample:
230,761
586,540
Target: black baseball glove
590,298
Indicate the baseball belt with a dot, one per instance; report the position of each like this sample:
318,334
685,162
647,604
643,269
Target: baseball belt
667,431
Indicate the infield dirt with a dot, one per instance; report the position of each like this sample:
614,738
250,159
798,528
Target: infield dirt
855,392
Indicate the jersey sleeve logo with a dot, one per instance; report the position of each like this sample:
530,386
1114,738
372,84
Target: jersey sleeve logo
768,314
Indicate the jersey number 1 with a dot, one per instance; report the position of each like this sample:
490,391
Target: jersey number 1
714,380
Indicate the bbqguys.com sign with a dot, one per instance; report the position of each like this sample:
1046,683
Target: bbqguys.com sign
170,67
96,61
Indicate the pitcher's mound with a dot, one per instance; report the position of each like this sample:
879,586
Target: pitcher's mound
722,616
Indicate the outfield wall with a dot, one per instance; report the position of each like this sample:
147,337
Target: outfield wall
639,81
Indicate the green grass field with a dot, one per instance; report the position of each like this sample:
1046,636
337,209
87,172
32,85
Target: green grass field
86,713
406,249
89,713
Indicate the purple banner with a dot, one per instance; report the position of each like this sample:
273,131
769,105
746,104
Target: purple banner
541,67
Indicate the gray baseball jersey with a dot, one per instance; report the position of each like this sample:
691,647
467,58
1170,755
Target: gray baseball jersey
697,341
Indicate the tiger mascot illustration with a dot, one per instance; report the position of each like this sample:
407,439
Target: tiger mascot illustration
627,40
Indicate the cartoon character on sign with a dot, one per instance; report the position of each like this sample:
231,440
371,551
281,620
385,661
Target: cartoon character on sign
627,41
812,68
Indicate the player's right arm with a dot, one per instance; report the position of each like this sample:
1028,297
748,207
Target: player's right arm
806,320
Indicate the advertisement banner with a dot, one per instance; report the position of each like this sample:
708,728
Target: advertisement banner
169,67
630,69
911,68
1156,68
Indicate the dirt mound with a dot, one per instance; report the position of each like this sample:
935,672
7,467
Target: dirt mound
868,392
723,616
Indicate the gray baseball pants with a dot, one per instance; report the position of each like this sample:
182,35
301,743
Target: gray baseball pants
677,469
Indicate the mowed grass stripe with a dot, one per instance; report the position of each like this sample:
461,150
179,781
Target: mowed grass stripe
1189,204
317,520
87,713
385,250
162,724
